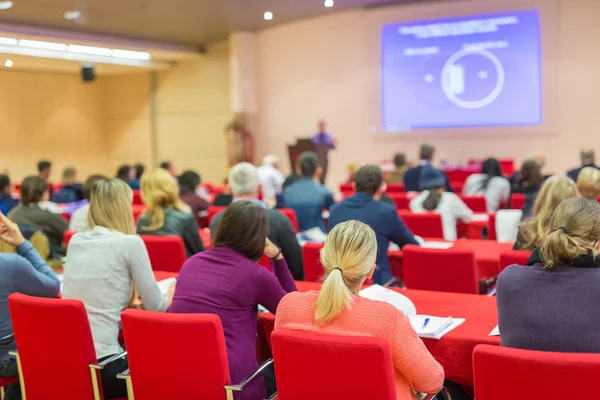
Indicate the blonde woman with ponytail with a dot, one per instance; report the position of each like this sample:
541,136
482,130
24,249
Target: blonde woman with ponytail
167,215
348,258
551,304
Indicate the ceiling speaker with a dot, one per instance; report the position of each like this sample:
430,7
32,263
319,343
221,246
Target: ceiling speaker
87,73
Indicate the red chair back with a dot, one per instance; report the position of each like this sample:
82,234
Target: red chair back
313,269
517,257
475,203
303,359
505,373
67,235
440,270
137,211
55,346
167,253
402,200
508,166
291,214
427,225
193,341
137,198
212,211
457,186
459,175
492,227
517,201
395,188
218,189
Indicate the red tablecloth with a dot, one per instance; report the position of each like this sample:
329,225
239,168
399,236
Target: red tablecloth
454,351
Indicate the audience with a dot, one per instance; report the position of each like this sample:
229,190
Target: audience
33,191
349,258
102,267
189,184
540,160
168,166
167,215
71,191
244,185
435,198
307,197
588,159
139,171
551,304
79,218
271,180
397,175
44,168
489,183
412,176
7,202
533,230
293,176
124,173
352,168
588,183
529,181
227,281
382,218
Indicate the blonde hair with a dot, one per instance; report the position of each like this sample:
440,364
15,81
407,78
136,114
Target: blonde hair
588,183
69,175
553,192
574,229
110,206
353,168
348,256
159,191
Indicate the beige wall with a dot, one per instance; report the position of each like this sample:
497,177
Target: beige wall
325,68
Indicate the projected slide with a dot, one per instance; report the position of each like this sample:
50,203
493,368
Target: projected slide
479,70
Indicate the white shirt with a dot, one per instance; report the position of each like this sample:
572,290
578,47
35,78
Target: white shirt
451,208
271,180
101,268
498,190
78,220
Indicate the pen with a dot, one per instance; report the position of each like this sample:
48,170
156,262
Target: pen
425,323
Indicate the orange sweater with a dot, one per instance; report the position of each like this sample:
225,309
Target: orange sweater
414,366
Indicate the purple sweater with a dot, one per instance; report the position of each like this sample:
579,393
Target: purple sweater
224,282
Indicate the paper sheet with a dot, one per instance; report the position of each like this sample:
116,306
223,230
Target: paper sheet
165,284
495,331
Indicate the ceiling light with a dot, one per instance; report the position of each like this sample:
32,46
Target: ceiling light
5,5
73,14
8,63
328,3
9,41
268,15
38,44
134,55
98,51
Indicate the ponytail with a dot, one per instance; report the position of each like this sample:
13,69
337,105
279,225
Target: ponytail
432,201
333,298
560,248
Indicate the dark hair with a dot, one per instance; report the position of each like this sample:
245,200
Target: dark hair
243,228
530,174
492,168
308,163
399,160
188,182
432,201
165,165
139,170
43,165
123,173
4,182
87,185
426,151
32,190
368,179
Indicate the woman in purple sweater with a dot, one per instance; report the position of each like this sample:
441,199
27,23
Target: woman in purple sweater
227,281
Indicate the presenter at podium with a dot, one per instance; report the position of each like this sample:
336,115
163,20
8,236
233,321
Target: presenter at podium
323,142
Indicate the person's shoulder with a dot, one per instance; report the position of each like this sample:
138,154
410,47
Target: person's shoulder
276,216
296,301
514,274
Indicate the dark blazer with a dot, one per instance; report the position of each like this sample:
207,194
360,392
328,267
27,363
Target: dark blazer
383,219
412,176
574,173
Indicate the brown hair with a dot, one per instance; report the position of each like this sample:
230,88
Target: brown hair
574,229
243,228
588,183
530,174
87,185
32,190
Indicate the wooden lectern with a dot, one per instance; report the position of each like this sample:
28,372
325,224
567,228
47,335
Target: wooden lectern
294,150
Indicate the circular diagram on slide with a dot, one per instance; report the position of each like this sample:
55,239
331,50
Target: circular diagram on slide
472,78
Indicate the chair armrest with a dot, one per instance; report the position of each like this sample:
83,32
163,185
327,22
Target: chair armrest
124,374
103,364
7,339
239,387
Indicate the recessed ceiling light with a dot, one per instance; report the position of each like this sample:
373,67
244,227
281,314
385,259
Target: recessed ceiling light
328,3
268,15
73,14
8,63
5,5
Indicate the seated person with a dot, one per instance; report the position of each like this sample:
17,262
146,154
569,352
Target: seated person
79,218
169,167
167,215
189,183
349,259
71,191
139,171
540,160
382,218
533,230
44,168
271,180
550,304
529,181
227,281
412,176
436,198
244,185
102,267
307,197
352,168
588,183
490,183
397,175
7,202
124,173
225,198
588,159
293,176
33,191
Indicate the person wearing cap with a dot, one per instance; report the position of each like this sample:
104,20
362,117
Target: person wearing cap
434,197
271,180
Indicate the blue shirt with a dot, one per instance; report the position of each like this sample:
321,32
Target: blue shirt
323,138
308,199
7,203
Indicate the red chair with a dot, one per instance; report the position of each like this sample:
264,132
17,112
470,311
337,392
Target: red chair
313,269
56,356
503,373
517,201
193,340
460,175
218,189
137,198
440,270
346,187
402,200
67,237
517,257
395,188
508,166
137,212
167,253
427,225
291,214
475,203
492,226
212,211
303,359
457,186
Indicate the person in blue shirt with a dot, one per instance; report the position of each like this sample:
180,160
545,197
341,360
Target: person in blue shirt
383,218
306,196
134,183
7,202
413,175
323,142
588,159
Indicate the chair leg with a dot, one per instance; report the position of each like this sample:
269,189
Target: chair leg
21,379
229,394
129,389
2,393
